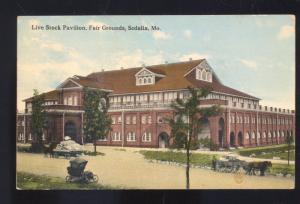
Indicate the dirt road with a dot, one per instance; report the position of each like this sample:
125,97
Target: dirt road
130,170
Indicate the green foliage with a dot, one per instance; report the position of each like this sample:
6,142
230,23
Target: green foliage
282,168
260,150
97,123
89,153
281,155
27,181
184,132
38,120
208,143
189,108
179,157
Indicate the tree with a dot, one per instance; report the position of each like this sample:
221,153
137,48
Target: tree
38,120
185,125
97,123
289,141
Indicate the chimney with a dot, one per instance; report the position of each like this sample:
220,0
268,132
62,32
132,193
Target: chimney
166,62
191,59
143,65
122,68
102,70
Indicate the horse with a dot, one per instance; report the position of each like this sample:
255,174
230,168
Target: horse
49,150
261,166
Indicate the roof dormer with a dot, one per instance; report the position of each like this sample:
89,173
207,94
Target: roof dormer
204,72
146,77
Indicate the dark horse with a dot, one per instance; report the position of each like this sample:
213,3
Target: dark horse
259,166
49,150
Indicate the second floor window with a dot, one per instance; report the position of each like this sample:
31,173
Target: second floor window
119,119
127,120
144,119
134,119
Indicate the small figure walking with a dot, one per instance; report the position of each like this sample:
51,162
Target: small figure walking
214,162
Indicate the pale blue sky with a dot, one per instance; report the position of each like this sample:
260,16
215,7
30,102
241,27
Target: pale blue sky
254,54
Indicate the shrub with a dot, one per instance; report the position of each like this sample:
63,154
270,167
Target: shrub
36,148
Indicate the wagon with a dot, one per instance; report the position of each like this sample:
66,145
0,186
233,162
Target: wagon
77,174
66,153
229,164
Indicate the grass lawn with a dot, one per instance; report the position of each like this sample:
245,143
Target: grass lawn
268,152
282,168
179,157
281,155
27,181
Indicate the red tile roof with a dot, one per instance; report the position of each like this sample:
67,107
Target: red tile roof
123,81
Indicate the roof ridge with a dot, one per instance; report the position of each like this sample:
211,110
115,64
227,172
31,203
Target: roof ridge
140,67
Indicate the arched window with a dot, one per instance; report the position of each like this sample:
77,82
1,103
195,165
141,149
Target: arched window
253,135
264,135
269,135
247,135
140,81
258,135
203,75
208,76
145,80
282,134
149,80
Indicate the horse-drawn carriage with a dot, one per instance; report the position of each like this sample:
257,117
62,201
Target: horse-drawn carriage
230,164
77,174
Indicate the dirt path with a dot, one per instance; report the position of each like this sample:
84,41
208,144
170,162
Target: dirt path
129,169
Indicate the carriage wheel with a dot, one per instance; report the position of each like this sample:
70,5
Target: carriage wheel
257,172
68,179
95,178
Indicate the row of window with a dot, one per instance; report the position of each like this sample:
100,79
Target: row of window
145,119
202,74
22,136
239,119
71,100
153,97
131,136
264,135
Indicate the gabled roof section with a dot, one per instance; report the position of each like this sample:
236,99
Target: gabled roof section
204,64
50,95
69,83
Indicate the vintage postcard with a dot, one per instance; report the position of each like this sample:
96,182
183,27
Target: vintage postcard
156,102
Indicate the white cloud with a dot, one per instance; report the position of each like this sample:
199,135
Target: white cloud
285,32
194,56
53,46
160,35
95,23
33,22
137,58
249,63
187,33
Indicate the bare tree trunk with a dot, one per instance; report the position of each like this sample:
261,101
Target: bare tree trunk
95,146
188,166
289,154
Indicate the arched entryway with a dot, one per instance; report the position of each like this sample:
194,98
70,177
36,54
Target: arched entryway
163,140
221,132
204,129
240,139
232,139
70,130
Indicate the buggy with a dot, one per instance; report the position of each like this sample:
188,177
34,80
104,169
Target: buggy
229,164
77,174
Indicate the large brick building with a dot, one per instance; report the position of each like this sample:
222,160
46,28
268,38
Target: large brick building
140,100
